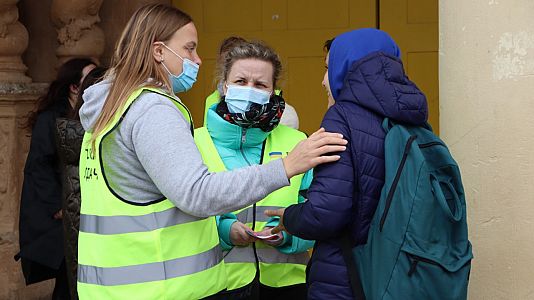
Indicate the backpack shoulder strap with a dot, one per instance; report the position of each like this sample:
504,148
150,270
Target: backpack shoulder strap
352,268
387,124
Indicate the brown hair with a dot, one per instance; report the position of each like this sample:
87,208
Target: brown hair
228,43
328,44
95,76
70,73
245,50
133,62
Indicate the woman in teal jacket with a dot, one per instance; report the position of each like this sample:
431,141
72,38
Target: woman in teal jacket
289,117
242,130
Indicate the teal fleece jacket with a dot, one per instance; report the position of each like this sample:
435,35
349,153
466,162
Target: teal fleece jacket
240,148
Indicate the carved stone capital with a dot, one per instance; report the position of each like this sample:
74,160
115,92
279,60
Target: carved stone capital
77,31
13,42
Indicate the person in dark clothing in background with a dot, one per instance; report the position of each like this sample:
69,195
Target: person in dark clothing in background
40,224
69,136
366,80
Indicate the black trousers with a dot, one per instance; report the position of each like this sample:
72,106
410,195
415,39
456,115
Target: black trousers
257,291
61,288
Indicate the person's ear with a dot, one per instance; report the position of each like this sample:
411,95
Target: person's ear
224,88
157,51
74,89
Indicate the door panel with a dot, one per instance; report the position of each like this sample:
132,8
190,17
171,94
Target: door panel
422,11
275,15
423,71
413,24
296,29
305,90
223,15
314,14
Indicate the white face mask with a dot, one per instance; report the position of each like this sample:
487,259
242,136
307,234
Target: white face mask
239,98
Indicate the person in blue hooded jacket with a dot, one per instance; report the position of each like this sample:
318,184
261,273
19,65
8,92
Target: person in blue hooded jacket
244,129
366,79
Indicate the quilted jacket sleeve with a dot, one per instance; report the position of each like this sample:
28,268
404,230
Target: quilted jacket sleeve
292,244
330,197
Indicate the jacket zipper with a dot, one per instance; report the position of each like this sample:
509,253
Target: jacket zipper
243,140
415,261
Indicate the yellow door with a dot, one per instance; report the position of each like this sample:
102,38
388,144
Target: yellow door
297,30
413,24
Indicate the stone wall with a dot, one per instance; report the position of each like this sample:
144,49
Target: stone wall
487,119
40,56
114,17
45,30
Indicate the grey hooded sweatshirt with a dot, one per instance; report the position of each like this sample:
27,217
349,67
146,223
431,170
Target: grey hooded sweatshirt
152,154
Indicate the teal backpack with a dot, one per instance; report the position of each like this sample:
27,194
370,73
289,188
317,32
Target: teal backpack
417,246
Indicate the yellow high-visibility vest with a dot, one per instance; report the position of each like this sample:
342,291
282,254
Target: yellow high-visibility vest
132,251
276,269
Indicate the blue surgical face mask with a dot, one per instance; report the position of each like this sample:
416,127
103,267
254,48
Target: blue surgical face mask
184,81
239,98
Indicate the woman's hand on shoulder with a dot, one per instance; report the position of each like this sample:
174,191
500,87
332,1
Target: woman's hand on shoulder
314,151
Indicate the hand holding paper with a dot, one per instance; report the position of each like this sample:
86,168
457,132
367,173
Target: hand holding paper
263,235
277,213
239,234
274,239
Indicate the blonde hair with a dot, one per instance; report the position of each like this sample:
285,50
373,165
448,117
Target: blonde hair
133,62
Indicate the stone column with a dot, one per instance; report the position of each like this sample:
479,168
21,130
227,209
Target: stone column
13,42
77,31
487,119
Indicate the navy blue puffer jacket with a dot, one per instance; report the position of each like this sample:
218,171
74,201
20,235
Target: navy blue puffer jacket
344,194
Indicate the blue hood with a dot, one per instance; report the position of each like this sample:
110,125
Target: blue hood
371,74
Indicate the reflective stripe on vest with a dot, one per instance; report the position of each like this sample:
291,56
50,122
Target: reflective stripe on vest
151,271
127,224
276,269
149,251
265,255
246,214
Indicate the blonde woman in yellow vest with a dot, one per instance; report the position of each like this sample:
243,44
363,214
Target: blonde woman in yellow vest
147,197
243,130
